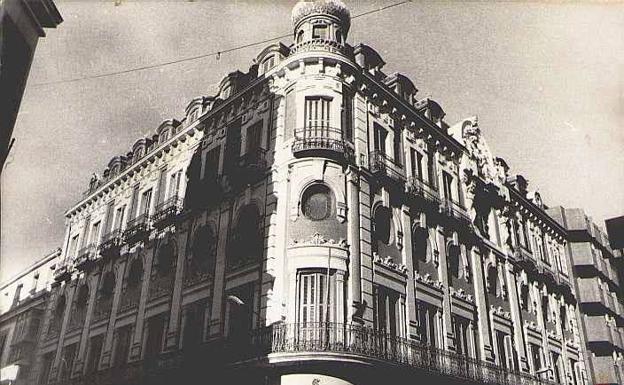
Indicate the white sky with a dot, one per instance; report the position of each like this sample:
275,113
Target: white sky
545,79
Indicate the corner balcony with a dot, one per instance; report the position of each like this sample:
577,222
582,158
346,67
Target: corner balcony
138,229
86,257
382,165
322,141
419,188
167,212
352,343
318,44
111,244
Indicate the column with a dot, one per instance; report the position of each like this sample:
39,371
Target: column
514,305
110,331
410,295
448,340
69,298
216,320
93,290
366,255
353,224
176,299
483,313
137,336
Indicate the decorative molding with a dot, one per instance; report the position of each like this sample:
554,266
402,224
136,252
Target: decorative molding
387,261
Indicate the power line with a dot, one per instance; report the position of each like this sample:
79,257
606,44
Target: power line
191,58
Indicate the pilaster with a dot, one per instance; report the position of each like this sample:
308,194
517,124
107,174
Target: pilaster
110,330
173,331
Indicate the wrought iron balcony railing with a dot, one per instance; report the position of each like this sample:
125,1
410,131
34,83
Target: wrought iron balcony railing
322,139
111,243
167,211
137,229
380,163
255,158
421,188
356,340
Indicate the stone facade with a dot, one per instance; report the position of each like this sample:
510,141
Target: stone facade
314,221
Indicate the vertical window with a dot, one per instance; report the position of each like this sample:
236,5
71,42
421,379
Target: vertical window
73,246
174,184
314,298
535,357
416,159
502,350
387,312
319,32
46,365
240,316
347,115
556,362
382,226
427,323
67,362
317,115
94,237
380,135
462,337
254,137
431,170
398,149
524,297
193,325
146,201
155,330
211,165
268,63
119,217
122,346
95,351
447,179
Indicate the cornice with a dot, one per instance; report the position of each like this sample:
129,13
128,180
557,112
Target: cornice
539,213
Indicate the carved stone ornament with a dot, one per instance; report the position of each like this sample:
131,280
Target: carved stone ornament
318,240
426,280
388,262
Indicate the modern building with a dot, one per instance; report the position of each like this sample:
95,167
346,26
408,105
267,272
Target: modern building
598,272
23,301
22,23
313,222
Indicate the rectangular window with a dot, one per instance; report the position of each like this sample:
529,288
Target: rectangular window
67,361
431,169
174,184
122,346
240,315
448,185
427,323
575,376
268,63
211,164
73,246
317,116
380,135
556,362
155,332
314,297
94,237
146,202
119,217
319,32
502,350
398,149
416,159
95,351
254,137
46,365
535,357
193,325
462,338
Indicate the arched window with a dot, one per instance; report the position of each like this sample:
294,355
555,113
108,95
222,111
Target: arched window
382,225
204,249
545,309
165,258
492,280
135,274
300,36
563,316
245,243
108,285
524,297
420,245
316,202
453,260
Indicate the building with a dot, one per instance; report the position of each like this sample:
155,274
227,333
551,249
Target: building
21,25
312,222
22,303
598,271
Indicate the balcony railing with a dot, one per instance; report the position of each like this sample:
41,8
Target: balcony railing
380,163
255,158
111,243
62,272
454,210
137,229
322,139
129,298
421,188
360,341
86,256
167,211
318,45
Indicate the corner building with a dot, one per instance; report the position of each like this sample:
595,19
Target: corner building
313,222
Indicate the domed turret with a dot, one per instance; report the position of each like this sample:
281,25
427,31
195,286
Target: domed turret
321,20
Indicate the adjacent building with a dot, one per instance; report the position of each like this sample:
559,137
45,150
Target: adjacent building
315,221
598,271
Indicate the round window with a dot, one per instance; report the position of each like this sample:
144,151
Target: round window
317,203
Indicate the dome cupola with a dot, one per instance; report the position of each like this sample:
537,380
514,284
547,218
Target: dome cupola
321,20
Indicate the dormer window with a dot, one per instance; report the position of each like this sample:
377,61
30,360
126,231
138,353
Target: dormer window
164,136
268,63
319,32
227,91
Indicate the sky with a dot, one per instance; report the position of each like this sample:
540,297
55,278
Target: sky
545,79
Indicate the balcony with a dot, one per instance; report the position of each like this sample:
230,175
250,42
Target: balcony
419,188
598,332
137,230
382,165
249,168
62,272
322,141
167,212
111,243
454,210
354,342
86,257
318,45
